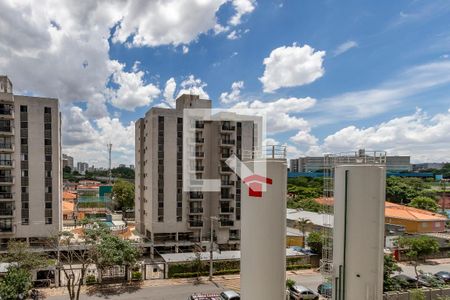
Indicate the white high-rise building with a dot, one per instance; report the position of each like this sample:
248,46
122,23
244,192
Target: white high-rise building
30,166
165,214
82,167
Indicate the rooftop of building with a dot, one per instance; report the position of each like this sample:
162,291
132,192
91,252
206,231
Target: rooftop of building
398,211
69,196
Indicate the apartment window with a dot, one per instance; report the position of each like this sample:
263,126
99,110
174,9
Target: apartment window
160,168
48,166
48,205
23,108
48,220
25,213
48,158
23,141
48,142
24,157
23,124
24,173
48,110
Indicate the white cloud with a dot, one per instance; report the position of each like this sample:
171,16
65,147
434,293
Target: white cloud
344,47
290,66
280,113
195,86
153,23
424,137
87,142
242,7
236,34
185,49
304,137
132,91
232,96
169,91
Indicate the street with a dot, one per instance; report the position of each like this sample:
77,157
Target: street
176,290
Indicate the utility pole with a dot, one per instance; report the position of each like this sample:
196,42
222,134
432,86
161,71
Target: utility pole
109,145
211,248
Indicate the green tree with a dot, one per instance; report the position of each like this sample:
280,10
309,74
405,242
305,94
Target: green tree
402,190
417,248
315,242
17,281
390,267
302,224
67,169
305,204
22,257
123,194
426,203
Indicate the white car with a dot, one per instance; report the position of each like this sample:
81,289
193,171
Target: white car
299,292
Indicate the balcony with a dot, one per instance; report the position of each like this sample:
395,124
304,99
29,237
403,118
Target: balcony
227,142
228,128
195,210
6,111
199,154
194,195
227,182
199,168
6,212
6,130
6,163
226,197
226,210
7,147
226,169
199,140
6,179
6,195
195,223
226,223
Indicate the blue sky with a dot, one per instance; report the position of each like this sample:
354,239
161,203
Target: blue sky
338,75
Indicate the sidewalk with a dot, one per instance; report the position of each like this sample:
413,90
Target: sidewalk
227,281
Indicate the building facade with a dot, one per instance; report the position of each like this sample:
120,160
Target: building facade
307,164
30,166
82,167
165,214
67,161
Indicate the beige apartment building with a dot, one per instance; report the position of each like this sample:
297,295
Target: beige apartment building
175,220
30,163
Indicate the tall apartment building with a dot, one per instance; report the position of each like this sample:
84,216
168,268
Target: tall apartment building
67,161
30,166
165,214
82,167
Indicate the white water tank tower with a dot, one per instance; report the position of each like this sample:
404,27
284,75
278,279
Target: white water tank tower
359,195
263,230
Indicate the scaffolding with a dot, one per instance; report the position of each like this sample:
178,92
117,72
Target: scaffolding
329,164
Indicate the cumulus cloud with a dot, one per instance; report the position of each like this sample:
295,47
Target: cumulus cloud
242,7
132,92
236,34
280,114
86,140
169,92
233,96
195,86
413,135
344,47
61,48
290,66
185,49
304,137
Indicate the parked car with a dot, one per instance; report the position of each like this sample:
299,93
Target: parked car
443,275
225,295
230,295
325,289
406,281
299,292
431,280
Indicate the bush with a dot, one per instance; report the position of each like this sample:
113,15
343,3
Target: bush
90,280
290,283
136,275
298,267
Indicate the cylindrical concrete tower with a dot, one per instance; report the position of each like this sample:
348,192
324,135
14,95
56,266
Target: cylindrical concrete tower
263,231
359,195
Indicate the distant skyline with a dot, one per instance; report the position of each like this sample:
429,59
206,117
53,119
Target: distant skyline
333,76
